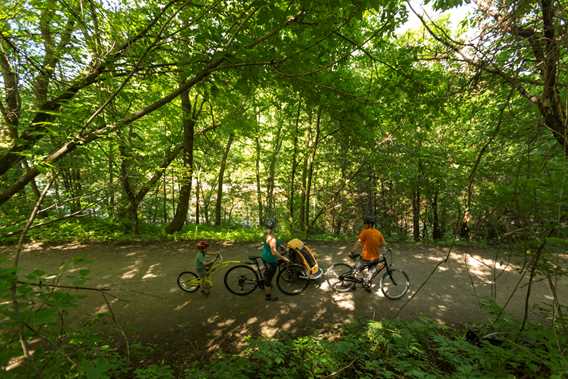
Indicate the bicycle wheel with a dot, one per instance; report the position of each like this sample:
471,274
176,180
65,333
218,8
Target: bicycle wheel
292,279
188,281
241,280
395,284
339,277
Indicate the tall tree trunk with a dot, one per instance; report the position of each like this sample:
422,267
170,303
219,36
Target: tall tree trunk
436,230
173,183
197,190
206,202
189,120
134,197
425,222
258,187
371,193
165,198
219,202
416,213
112,199
294,164
132,207
312,158
304,192
277,144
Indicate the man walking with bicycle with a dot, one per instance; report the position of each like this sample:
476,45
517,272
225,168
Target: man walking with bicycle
370,242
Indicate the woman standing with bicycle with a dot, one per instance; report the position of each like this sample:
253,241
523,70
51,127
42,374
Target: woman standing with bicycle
270,256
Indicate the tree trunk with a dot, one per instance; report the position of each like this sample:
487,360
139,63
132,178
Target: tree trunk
165,198
132,208
304,192
219,202
310,173
197,190
112,199
294,164
189,120
258,187
436,230
371,193
416,213
206,202
272,173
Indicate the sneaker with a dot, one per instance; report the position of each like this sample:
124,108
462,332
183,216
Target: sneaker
271,298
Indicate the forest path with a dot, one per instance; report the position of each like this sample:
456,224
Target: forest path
152,307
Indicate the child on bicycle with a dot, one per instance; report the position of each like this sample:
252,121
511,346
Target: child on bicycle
202,265
371,242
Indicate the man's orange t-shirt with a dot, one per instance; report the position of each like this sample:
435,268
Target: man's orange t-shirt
371,240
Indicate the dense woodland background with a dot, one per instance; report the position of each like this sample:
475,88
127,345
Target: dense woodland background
126,118
232,112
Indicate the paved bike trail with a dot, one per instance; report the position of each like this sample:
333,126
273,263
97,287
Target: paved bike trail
151,307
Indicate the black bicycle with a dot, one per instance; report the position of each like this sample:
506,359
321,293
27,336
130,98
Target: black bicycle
243,279
394,283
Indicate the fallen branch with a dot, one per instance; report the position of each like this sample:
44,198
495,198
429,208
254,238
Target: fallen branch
531,277
523,272
120,329
465,256
41,284
341,369
77,213
14,286
445,260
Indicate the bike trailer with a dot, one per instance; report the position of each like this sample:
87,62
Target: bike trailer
301,254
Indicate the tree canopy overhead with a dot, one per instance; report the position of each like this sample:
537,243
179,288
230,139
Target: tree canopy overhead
313,112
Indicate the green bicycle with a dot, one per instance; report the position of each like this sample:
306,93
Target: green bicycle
190,282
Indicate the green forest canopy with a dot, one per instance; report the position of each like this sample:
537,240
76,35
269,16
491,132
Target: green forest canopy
230,112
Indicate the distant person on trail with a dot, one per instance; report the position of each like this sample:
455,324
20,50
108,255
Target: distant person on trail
202,265
370,242
270,257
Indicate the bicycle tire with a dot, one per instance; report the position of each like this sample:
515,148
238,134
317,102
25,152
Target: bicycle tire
292,279
334,277
395,284
185,281
241,280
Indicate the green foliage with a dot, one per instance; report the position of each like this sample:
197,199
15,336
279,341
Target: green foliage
105,230
394,349
154,371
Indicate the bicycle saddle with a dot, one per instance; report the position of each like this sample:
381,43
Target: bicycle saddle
253,257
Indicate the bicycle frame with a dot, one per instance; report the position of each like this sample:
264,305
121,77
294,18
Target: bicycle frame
380,266
259,270
217,264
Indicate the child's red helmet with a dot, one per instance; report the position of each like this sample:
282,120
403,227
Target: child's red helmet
202,245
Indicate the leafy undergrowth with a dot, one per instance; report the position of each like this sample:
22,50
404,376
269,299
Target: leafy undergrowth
387,349
104,230
91,229
397,349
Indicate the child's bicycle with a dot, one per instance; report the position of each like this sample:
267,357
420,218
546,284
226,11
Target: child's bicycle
243,279
394,284
190,282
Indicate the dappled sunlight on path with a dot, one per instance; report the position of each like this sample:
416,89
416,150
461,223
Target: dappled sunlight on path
152,307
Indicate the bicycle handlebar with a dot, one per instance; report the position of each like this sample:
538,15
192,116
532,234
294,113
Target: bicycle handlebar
388,252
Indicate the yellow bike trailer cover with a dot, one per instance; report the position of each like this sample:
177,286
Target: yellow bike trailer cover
303,255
